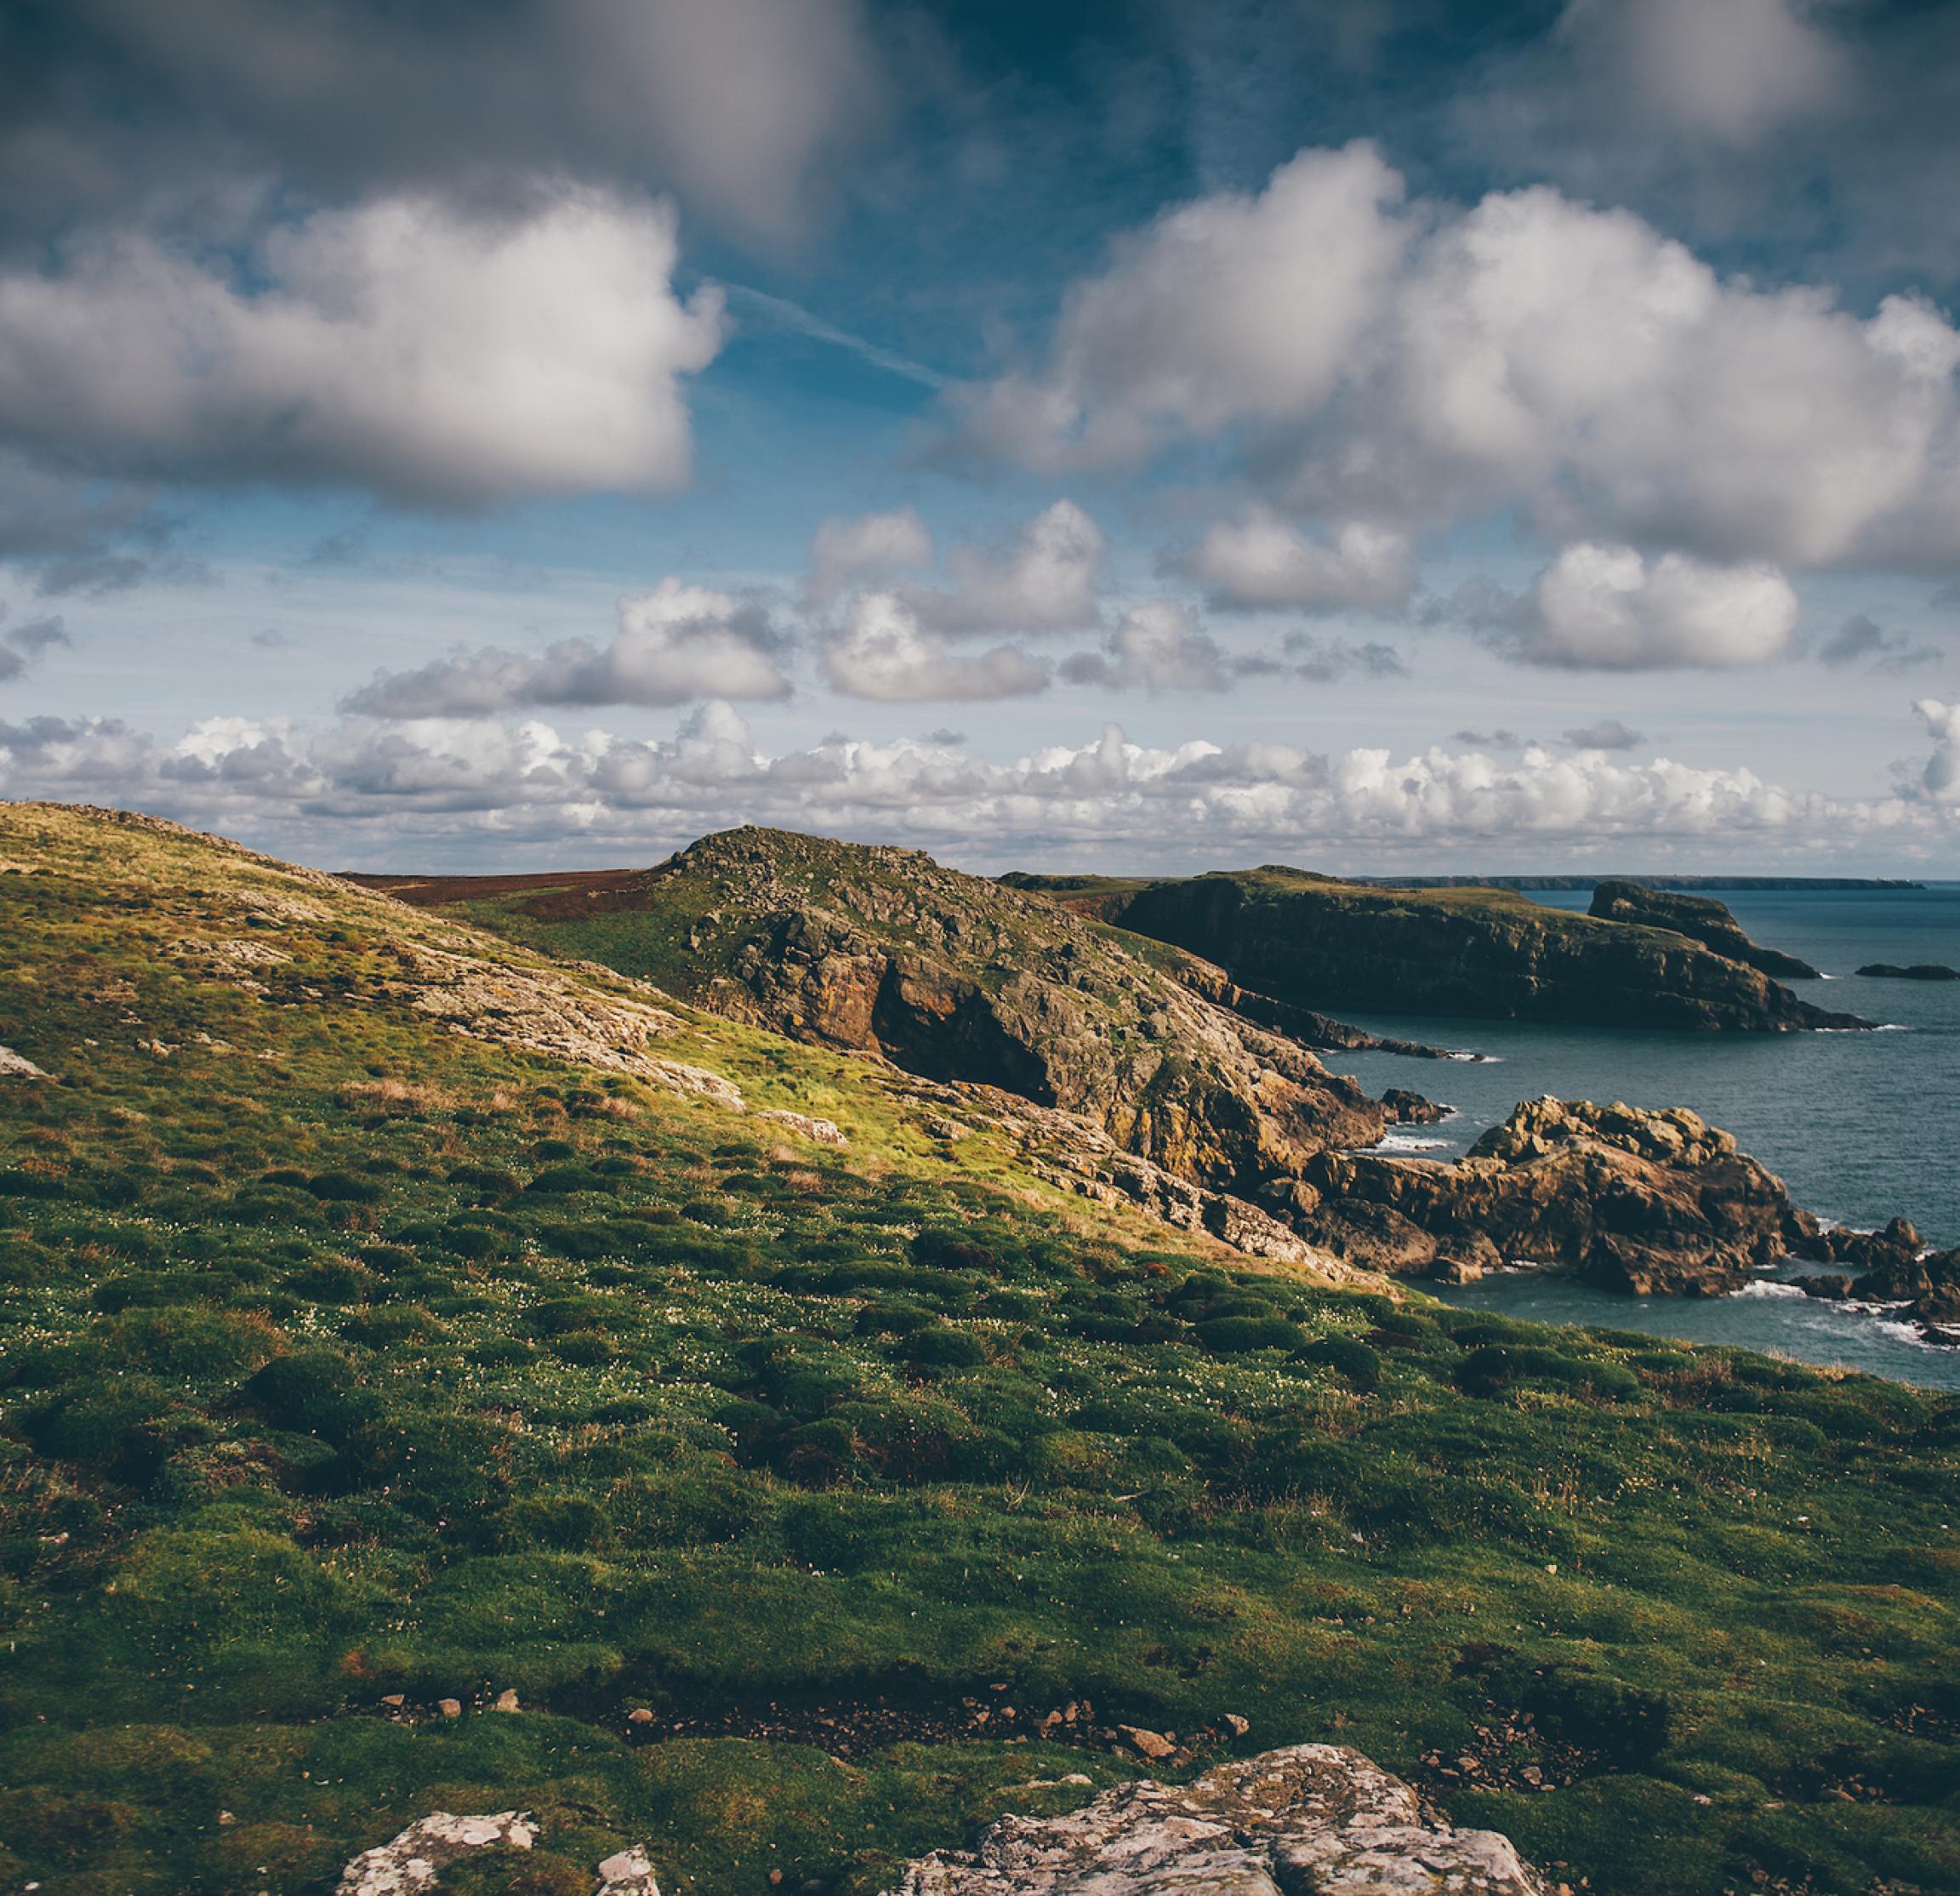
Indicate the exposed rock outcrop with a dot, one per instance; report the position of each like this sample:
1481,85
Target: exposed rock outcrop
955,978
1314,1817
1656,1204
17,1066
1314,943
1700,918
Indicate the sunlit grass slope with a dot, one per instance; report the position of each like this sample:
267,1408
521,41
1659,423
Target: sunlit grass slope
351,1350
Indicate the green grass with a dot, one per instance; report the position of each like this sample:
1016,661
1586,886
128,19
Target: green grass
348,1357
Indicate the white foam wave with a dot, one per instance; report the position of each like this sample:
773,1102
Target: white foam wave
1767,1290
1403,1141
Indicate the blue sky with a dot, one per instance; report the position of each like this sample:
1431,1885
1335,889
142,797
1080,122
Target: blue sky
1412,435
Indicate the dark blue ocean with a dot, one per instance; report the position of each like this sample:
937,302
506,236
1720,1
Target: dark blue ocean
1861,1126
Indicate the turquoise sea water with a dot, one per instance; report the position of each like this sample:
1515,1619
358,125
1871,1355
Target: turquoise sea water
1861,1126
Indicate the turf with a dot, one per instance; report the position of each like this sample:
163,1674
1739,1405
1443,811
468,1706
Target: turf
346,1359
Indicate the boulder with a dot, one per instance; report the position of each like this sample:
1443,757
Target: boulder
1408,1108
1310,1817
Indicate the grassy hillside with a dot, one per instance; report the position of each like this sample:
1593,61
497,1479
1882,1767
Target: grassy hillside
392,1316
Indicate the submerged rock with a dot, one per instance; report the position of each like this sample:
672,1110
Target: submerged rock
1310,1817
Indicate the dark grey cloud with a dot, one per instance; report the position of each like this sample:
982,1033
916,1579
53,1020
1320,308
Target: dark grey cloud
114,107
1328,661
1862,642
22,645
1606,734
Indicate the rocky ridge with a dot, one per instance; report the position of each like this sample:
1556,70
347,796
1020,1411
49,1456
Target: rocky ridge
1312,941
952,977
1700,918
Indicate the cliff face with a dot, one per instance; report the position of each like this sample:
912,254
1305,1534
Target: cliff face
1316,943
954,977
1700,919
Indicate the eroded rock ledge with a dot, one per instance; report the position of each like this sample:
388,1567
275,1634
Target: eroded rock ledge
1311,1821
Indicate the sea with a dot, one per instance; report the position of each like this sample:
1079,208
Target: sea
1861,1127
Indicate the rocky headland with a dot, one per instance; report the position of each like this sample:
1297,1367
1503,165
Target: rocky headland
1313,941
1700,918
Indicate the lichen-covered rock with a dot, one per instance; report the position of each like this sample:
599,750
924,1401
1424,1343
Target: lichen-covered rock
542,1011
1312,1820
628,1873
413,1861
17,1066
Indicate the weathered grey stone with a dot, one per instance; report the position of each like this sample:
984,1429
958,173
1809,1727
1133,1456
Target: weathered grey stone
17,1066
1311,1821
414,1860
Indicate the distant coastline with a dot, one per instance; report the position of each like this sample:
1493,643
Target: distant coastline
1526,883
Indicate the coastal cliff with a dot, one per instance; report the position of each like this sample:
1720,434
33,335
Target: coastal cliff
1314,942
1700,919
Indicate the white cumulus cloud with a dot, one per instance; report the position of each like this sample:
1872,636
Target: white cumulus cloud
1261,559
1160,645
402,345
475,787
1608,608
1419,364
877,547
1942,777
882,651
1044,579
675,644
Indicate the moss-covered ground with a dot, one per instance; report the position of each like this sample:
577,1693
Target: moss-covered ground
346,1359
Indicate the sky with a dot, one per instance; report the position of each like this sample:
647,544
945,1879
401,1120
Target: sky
1139,435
